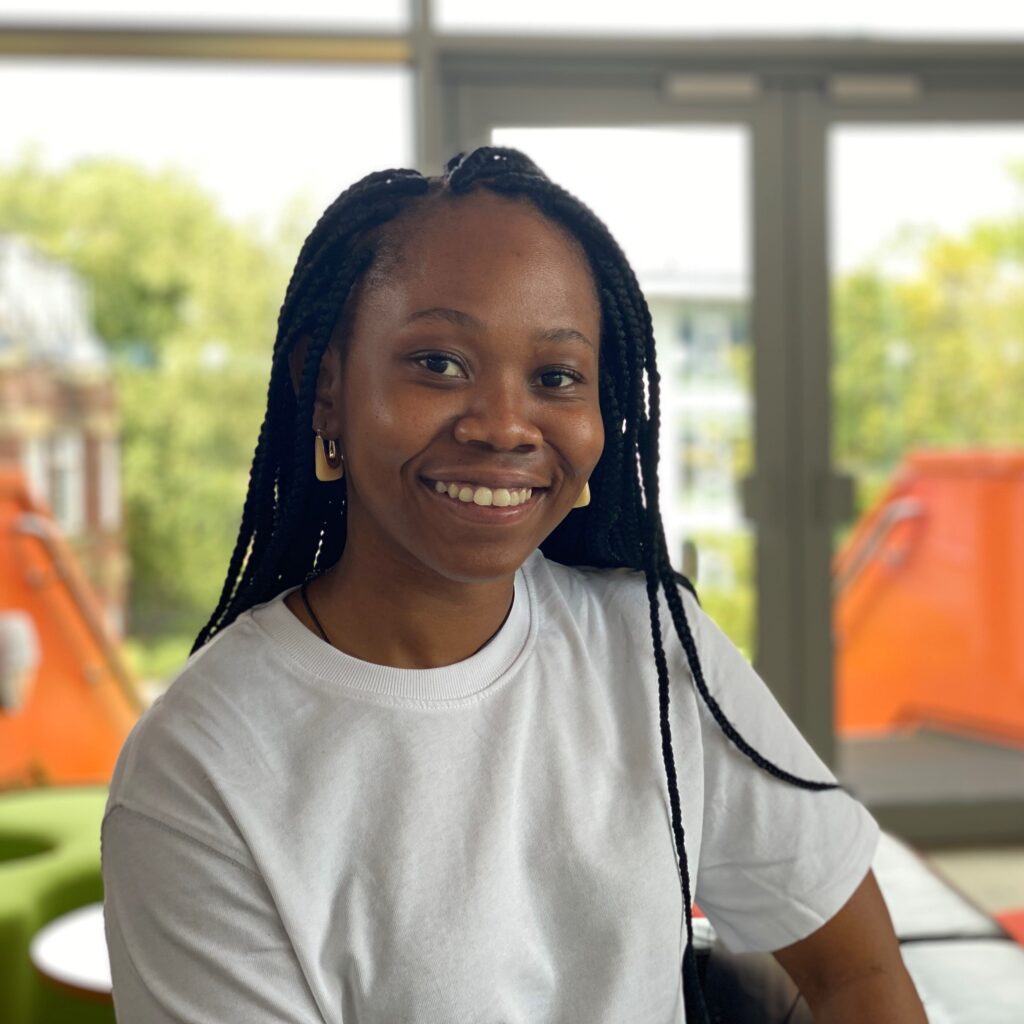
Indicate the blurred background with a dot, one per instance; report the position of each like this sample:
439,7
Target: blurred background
824,205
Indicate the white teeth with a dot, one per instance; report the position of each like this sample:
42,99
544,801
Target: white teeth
501,497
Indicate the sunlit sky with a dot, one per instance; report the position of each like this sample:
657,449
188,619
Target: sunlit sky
256,136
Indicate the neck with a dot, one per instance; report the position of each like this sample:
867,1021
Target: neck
393,613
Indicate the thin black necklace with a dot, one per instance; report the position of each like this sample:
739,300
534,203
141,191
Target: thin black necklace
312,614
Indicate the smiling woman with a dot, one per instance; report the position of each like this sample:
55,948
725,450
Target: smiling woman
416,766
492,389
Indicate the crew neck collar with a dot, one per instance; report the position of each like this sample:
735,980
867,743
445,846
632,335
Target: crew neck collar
463,679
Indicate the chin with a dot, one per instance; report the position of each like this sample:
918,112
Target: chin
479,564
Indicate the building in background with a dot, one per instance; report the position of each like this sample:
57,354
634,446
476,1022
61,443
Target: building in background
703,336
59,418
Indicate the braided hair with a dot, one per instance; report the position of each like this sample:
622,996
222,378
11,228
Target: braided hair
291,531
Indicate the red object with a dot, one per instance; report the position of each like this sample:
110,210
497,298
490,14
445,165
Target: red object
1013,922
81,701
929,601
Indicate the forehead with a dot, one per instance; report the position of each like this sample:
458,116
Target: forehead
486,245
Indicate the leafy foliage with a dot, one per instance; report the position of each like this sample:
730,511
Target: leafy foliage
186,301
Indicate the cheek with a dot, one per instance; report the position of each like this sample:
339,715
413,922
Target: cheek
387,426
580,439
592,438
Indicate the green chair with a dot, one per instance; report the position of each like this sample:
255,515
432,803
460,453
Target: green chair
49,865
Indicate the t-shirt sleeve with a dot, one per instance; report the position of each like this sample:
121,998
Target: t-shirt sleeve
776,861
193,936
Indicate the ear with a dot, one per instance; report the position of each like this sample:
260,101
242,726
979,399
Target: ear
327,402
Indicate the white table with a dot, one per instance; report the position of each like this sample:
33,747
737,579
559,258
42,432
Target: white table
71,952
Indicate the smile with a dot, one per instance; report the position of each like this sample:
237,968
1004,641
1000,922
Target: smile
468,493
482,503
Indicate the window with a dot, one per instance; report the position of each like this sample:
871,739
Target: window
109,483
68,465
35,463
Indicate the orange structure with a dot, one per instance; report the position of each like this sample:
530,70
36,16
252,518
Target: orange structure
929,622
929,601
67,721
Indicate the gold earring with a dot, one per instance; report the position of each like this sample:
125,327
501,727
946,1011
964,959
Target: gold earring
584,499
328,460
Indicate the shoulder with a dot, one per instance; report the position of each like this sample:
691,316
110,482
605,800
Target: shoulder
212,686
581,581
614,598
192,739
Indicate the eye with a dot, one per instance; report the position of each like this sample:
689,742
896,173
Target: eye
560,378
440,364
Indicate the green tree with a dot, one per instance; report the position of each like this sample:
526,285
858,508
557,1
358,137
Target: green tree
187,303
934,359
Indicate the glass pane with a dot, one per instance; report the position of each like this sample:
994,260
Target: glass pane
686,233
150,217
259,138
928,373
300,14
985,18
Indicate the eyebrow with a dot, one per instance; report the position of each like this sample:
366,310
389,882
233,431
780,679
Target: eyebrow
461,319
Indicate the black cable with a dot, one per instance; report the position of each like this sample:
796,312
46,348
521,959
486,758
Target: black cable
792,1009
312,614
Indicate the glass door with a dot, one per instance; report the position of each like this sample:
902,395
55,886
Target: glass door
927,379
836,273
687,177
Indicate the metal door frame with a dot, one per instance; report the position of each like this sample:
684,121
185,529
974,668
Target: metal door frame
929,96
787,94
474,102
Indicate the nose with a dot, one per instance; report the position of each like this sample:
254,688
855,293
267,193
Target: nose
500,416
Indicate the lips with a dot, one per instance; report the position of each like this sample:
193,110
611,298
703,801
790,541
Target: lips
510,481
481,503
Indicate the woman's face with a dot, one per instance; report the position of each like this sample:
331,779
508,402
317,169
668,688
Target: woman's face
473,365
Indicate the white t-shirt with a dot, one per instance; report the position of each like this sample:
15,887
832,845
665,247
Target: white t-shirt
295,835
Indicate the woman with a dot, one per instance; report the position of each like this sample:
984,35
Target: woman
414,769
